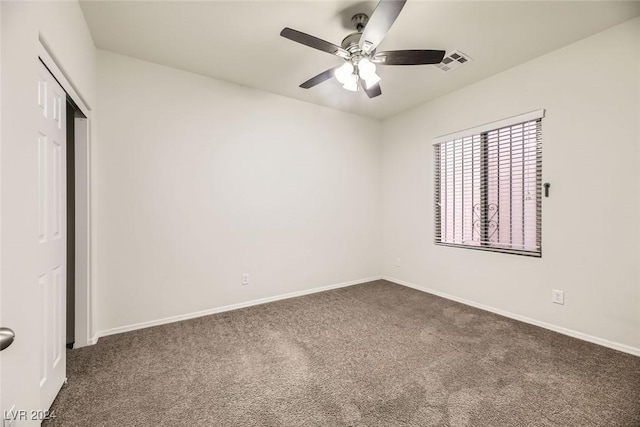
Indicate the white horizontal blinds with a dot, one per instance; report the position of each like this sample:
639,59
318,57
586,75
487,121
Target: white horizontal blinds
458,191
487,189
513,154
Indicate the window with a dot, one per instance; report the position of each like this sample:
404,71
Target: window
488,186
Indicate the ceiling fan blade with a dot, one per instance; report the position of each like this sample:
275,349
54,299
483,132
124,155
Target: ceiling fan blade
373,91
379,23
313,81
409,57
314,42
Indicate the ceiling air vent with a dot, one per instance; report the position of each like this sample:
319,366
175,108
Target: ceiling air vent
452,60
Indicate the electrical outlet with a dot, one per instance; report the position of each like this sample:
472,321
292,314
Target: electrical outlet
245,278
398,262
557,296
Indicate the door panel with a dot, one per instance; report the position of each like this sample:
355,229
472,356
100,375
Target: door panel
33,243
51,234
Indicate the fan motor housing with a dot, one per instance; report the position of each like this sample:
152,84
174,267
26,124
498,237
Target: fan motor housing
351,41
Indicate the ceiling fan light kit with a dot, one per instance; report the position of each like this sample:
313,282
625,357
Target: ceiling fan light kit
358,50
367,72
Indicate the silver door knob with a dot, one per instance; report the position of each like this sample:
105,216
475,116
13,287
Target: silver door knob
6,338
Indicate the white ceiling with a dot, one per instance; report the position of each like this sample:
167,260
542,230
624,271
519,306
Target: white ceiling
239,42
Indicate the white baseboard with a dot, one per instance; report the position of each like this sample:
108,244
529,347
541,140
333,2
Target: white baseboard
570,332
94,340
89,341
222,309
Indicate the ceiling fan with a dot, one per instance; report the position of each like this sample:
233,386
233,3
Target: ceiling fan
358,50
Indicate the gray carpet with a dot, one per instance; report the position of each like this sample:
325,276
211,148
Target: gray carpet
377,354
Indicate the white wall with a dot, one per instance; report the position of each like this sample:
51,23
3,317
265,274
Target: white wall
201,181
61,25
590,234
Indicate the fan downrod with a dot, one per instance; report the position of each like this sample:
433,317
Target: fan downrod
350,43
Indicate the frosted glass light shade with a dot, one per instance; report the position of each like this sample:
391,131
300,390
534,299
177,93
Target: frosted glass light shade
366,69
372,80
343,72
351,83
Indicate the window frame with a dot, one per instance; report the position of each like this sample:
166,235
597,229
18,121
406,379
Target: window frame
482,132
